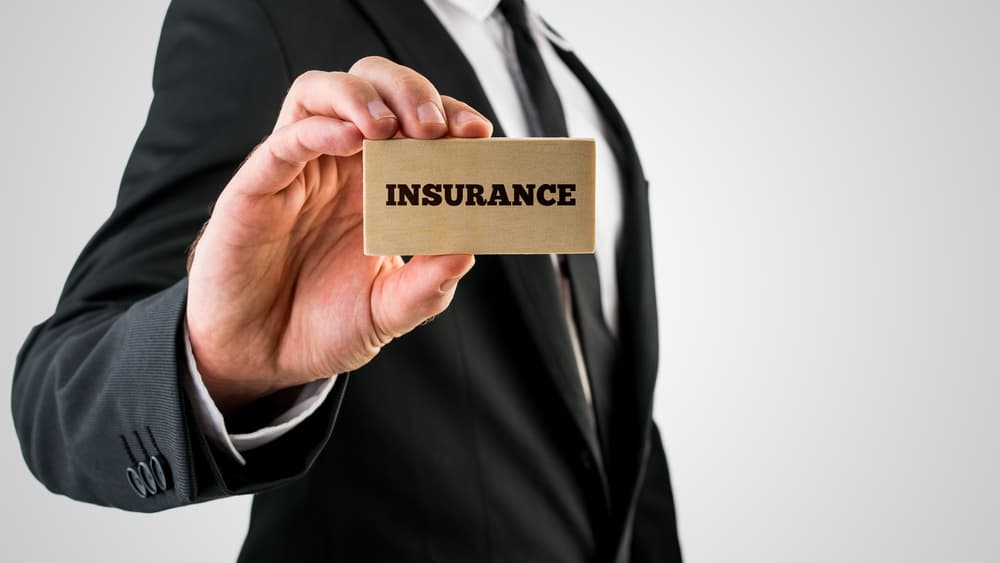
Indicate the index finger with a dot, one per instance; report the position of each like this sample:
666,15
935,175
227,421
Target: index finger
411,96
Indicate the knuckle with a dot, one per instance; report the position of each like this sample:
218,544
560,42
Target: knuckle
412,84
338,76
349,84
305,78
368,62
378,337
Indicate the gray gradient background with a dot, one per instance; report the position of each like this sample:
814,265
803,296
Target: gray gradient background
825,191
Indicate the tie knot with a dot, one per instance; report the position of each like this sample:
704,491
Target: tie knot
515,13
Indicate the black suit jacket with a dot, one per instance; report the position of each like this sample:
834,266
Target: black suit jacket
466,440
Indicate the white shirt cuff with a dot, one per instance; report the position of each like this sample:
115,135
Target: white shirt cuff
311,396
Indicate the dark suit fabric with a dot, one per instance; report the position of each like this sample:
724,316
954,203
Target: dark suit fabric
463,441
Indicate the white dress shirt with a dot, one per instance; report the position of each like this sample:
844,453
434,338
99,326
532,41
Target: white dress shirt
483,35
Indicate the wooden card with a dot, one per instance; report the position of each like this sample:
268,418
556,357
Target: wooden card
479,196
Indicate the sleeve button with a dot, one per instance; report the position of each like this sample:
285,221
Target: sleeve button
147,477
160,472
135,481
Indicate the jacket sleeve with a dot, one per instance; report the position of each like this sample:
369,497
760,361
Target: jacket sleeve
654,538
97,398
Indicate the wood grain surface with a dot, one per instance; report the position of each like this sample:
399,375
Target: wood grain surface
479,196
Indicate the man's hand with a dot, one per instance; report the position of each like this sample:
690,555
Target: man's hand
280,292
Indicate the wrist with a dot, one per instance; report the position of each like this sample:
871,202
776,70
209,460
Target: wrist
232,396
230,393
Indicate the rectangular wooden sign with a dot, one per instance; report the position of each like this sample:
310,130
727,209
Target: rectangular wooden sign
479,196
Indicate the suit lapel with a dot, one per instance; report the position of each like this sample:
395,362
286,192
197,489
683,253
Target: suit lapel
417,39
638,334
637,299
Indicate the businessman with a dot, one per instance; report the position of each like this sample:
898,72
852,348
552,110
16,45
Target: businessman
223,332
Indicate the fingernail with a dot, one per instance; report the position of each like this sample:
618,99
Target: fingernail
449,285
379,110
429,113
467,116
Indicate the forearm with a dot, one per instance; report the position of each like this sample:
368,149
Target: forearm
97,394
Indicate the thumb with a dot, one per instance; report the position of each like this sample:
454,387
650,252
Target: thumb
422,288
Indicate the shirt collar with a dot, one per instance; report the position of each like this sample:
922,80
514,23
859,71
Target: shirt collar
481,10
478,9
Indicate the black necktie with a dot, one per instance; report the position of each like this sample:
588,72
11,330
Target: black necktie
543,105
